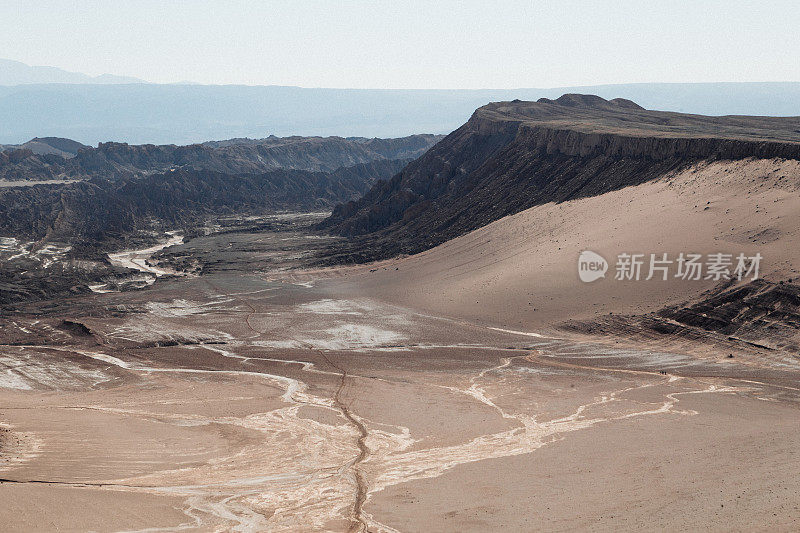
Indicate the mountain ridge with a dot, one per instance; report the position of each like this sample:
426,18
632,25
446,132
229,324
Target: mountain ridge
19,73
60,146
185,114
513,155
113,160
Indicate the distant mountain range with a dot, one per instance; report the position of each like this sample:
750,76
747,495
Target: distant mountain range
17,73
110,108
56,158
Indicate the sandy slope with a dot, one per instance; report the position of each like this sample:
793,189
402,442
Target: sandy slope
521,271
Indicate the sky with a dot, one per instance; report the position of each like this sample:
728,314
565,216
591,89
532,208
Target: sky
438,44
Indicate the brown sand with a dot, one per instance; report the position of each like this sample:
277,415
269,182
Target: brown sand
520,272
385,400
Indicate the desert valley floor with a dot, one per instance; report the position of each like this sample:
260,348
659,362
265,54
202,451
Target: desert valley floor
238,402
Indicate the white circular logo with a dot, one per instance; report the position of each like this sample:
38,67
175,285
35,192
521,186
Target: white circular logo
591,266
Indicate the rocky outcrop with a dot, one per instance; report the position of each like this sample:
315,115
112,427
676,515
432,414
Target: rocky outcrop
409,147
580,144
23,164
513,155
760,315
760,312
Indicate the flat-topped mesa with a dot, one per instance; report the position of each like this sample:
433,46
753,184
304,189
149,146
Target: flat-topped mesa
513,155
618,127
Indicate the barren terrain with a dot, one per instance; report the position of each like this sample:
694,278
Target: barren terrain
418,394
231,374
231,403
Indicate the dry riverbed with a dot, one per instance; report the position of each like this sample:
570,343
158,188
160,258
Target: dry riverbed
229,402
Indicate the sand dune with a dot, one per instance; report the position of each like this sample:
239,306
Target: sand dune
520,272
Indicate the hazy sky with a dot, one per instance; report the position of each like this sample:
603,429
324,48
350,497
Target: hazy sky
409,44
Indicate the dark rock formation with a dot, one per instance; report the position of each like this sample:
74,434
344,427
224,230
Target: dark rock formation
90,213
759,312
760,315
74,328
238,156
23,164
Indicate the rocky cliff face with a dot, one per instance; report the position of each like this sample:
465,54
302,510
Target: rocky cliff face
760,312
513,155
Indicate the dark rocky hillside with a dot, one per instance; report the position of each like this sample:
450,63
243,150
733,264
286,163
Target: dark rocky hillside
409,147
513,155
237,156
24,164
54,237
91,213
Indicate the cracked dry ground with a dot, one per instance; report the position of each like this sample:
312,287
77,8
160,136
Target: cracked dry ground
231,403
